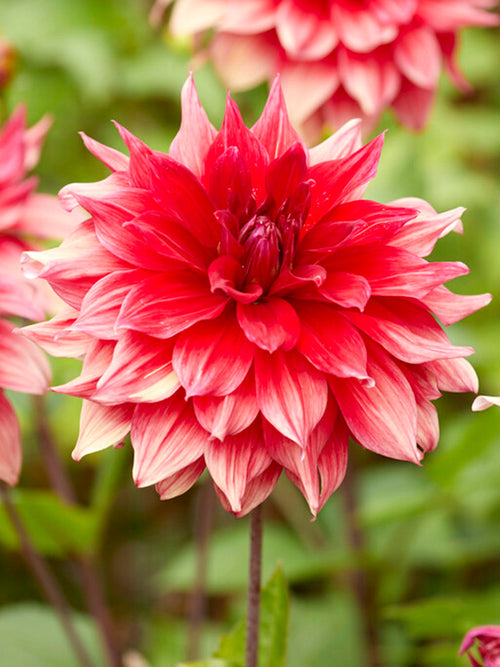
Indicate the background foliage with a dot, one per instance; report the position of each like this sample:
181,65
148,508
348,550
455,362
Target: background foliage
422,544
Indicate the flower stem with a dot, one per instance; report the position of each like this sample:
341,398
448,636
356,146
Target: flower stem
45,579
202,528
92,587
253,599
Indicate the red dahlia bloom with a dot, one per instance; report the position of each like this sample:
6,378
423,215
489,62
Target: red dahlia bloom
24,216
239,307
488,645
338,59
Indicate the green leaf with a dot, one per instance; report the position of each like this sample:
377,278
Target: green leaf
273,627
55,528
31,636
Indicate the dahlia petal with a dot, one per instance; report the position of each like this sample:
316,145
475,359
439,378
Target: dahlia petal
273,129
101,426
304,34
394,11
341,180
271,323
291,393
382,417
196,133
406,331
168,303
248,16
300,277
484,402
229,179
346,289
102,303
113,159
420,234
181,481
139,170
97,360
230,414
108,186
44,217
166,438
285,173
19,297
204,354
23,366
360,30
412,105
319,469
243,61
257,490
225,273
325,237
418,55
306,86
450,308
140,371
10,443
344,142
427,425
234,133
235,461
192,15
370,82
455,375
330,342
180,194
56,337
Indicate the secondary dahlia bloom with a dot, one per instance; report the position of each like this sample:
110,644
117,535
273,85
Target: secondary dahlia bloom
488,645
24,216
338,59
239,307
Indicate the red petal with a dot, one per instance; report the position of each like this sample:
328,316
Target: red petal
168,303
229,180
166,438
10,444
291,393
191,143
382,417
112,158
344,142
230,414
101,426
213,357
330,342
97,359
140,371
140,154
270,323
56,337
273,129
180,482
346,289
257,490
417,53
235,461
450,308
455,375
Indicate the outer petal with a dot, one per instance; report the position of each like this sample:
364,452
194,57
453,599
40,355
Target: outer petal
346,141
454,375
101,426
168,303
257,490
483,402
212,357
97,360
23,367
10,443
181,481
57,338
291,393
450,308
237,460
140,371
417,53
383,417
230,414
196,133
166,438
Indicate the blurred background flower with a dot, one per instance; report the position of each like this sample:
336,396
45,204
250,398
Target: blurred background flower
338,59
486,639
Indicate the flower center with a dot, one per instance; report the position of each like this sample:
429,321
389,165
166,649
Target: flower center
261,241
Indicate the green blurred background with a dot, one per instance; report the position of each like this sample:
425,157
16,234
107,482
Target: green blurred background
423,542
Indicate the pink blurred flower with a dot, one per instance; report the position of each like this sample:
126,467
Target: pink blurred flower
239,307
339,59
24,217
488,645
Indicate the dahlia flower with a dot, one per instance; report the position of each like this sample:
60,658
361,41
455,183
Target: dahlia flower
488,645
339,59
484,402
239,307
24,216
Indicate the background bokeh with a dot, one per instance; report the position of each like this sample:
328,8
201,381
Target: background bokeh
422,544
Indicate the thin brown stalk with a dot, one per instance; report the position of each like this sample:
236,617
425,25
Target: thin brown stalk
45,579
253,598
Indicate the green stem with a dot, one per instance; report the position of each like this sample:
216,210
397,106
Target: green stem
253,599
